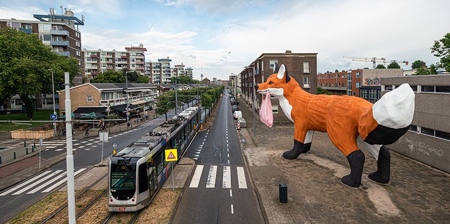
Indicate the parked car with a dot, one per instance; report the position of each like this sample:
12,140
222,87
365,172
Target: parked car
237,114
234,108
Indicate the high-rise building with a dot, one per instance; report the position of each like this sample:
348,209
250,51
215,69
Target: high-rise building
98,61
58,31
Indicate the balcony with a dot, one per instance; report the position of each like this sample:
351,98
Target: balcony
26,30
59,32
59,43
63,53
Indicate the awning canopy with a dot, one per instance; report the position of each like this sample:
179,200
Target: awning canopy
87,110
92,115
123,108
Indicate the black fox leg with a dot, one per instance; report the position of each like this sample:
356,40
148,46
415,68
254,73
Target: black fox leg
356,160
297,150
383,173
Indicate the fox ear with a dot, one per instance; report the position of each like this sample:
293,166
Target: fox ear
281,71
276,67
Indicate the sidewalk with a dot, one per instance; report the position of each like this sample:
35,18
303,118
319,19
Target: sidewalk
417,193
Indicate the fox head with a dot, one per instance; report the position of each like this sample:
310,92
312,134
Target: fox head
277,83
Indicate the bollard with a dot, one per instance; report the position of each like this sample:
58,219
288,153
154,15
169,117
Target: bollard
26,150
283,193
0,160
14,157
32,148
24,143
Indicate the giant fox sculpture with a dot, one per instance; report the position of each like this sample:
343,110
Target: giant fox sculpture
349,121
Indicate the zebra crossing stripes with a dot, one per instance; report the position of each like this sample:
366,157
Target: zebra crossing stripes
228,173
39,182
242,182
24,183
211,182
196,178
226,182
62,181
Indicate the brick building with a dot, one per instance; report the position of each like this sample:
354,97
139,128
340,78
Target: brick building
301,66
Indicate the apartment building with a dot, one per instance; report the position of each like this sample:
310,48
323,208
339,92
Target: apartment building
60,33
160,72
178,70
428,138
189,72
301,66
99,61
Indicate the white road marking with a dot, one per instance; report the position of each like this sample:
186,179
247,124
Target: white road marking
196,178
242,182
210,182
226,182
24,183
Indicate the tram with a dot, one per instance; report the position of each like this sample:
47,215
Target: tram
137,172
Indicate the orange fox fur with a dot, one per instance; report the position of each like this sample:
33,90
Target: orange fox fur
344,118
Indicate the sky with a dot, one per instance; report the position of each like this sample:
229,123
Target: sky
218,38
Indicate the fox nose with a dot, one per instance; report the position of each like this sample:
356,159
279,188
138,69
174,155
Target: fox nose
256,86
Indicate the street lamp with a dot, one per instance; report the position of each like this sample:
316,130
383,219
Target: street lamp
54,109
128,101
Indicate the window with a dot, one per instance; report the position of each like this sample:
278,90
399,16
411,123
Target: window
413,128
427,131
427,88
441,134
89,99
358,84
274,109
272,64
306,67
443,89
358,75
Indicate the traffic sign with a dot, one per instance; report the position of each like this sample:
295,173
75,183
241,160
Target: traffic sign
53,116
171,155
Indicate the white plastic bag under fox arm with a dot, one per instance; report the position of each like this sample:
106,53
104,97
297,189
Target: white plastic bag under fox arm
265,112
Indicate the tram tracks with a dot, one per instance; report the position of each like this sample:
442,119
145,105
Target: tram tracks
87,197
115,217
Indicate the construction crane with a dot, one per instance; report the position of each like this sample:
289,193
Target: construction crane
374,60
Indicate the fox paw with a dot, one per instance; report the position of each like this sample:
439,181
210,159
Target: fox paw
378,178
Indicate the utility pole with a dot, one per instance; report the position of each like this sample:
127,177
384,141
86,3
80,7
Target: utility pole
54,108
176,97
69,156
128,101
254,103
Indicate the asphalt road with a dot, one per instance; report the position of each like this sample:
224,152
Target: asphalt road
220,190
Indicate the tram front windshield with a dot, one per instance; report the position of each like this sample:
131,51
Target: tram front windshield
123,179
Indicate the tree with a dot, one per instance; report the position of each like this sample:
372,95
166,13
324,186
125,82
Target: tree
182,80
433,69
422,71
380,66
322,91
111,76
24,64
393,65
418,64
441,49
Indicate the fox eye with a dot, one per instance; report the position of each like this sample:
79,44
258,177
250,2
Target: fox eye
270,82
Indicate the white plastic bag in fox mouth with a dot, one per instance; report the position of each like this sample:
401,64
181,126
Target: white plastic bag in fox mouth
265,112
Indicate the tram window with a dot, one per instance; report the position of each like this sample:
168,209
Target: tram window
122,177
159,163
143,181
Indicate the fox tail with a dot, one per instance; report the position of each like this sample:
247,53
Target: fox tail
394,113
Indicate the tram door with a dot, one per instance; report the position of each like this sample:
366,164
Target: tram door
152,183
